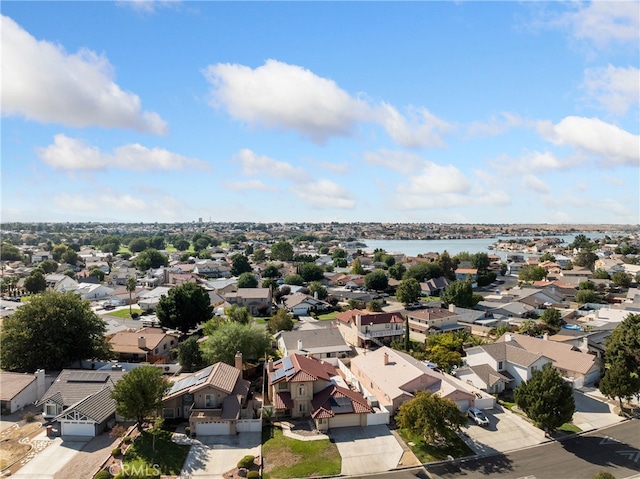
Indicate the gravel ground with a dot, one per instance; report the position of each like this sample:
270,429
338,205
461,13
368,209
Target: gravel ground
86,462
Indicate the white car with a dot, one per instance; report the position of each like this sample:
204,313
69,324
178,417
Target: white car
478,416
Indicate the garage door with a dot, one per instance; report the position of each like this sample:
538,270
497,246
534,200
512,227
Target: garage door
344,420
77,429
463,405
213,428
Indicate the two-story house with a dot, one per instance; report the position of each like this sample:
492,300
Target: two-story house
144,345
364,328
423,322
256,300
301,386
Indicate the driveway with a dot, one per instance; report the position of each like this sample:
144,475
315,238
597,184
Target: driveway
212,456
592,410
366,450
506,432
53,456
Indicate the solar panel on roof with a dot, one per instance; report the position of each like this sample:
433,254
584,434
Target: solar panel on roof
87,377
341,405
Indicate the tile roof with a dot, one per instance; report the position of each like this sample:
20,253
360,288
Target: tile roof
219,375
511,352
282,400
367,317
301,369
327,403
97,406
72,386
127,341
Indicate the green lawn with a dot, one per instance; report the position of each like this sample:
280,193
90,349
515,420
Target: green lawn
328,316
286,458
124,313
168,456
431,453
569,428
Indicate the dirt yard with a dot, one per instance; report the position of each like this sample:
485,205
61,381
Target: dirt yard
11,449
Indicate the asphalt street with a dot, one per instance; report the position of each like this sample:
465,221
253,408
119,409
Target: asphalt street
615,449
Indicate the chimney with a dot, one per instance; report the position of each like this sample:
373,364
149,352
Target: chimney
358,320
299,344
116,367
142,342
545,336
40,383
508,337
238,361
452,308
385,357
270,366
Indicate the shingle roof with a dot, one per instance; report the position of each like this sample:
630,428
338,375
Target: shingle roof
511,352
325,405
367,317
219,375
97,406
72,385
13,383
314,339
488,375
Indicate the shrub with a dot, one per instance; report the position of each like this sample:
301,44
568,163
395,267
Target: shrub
246,461
116,452
134,315
253,475
29,417
187,431
128,440
117,431
104,474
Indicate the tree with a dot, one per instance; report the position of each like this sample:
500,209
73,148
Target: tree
97,273
271,271
280,321
189,355
423,271
397,271
604,475
282,251
49,266
237,314
621,279
294,279
376,280
552,317
431,416
588,296
586,259
139,393
151,258
157,242
247,280
408,291
480,261
184,307
52,331
35,282
444,358
532,273
316,288
546,256
131,285
311,272
356,267
181,245
9,252
259,255
600,274
546,398
240,264
460,293
70,256
223,343
447,265
138,245
588,284
622,360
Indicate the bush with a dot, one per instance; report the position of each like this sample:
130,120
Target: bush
29,417
187,431
134,315
116,452
253,475
117,431
246,462
127,440
104,474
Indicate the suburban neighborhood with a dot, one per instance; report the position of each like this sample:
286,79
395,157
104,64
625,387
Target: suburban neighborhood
224,347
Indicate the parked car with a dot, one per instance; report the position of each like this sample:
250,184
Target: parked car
478,416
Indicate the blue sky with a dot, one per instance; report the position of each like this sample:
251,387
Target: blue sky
474,112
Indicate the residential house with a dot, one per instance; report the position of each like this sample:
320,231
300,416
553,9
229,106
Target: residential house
256,300
434,286
364,328
301,304
212,269
18,390
318,343
145,345
148,301
301,386
60,283
462,274
222,286
214,400
423,322
40,256
484,377
119,277
81,401
93,292
394,377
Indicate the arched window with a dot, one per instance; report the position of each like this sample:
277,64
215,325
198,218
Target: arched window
302,390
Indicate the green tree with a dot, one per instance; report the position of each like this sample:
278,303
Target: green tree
447,265
271,271
247,280
423,271
138,395
9,252
189,355
622,360
480,261
280,321
546,398
546,256
621,279
151,258
356,267
49,266
294,279
460,293
532,273
138,245
408,291
552,317
585,259
229,338
57,251
600,274
604,475
52,331
282,251
588,296
259,255
238,314
311,272
240,264
397,271
181,245
587,284
389,260
157,242
97,273
374,306
338,253
184,307
443,357
432,417
316,288
35,282
70,256
376,280
131,285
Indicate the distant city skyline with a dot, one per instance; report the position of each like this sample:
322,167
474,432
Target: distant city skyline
399,112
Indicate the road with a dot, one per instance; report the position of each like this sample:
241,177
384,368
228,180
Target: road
615,449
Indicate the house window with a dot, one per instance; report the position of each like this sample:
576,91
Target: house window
51,409
302,407
164,346
500,366
301,390
387,326
168,412
283,386
209,400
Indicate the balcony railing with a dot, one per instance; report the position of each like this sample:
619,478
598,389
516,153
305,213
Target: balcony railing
381,334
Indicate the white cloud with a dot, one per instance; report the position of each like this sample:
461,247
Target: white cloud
532,182
605,22
41,82
72,154
148,6
288,97
324,194
97,203
249,185
610,143
436,180
253,164
614,88
496,125
403,162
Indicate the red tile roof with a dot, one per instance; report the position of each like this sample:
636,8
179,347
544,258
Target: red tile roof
321,403
283,400
367,317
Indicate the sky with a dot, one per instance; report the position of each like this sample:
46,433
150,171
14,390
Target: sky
402,112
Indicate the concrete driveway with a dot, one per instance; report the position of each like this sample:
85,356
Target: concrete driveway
506,432
55,454
212,456
592,410
366,450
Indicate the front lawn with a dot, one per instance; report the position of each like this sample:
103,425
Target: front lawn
168,457
286,458
124,313
328,316
431,453
569,428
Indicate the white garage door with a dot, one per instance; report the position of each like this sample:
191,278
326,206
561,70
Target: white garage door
463,405
344,420
213,428
78,429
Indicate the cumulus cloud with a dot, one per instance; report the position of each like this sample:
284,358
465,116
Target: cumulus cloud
73,154
614,88
249,185
324,193
436,180
148,6
253,164
609,143
496,125
603,23
41,82
532,182
97,202
280,96
401,161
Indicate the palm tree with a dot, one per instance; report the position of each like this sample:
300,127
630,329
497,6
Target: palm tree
131,287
